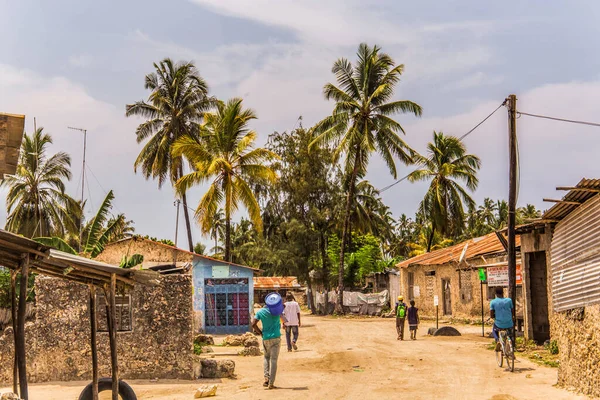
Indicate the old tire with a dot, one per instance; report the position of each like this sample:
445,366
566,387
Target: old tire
105,384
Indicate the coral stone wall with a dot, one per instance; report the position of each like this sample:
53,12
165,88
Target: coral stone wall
578,335
158,346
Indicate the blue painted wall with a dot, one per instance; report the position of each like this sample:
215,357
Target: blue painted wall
203,269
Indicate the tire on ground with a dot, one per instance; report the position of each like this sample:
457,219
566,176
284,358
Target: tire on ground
105,384
446,331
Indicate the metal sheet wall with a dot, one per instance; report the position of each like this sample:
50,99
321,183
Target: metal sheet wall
575,258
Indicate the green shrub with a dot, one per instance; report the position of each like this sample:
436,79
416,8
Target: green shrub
553,347
198,348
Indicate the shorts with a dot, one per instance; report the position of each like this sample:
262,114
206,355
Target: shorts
413,327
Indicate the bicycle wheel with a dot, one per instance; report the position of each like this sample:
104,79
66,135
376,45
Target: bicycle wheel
509,351
499,357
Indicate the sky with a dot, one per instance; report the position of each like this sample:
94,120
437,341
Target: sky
77,63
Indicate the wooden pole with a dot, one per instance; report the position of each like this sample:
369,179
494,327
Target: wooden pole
94,330
20,342
512,199
112,328
13,315
482,317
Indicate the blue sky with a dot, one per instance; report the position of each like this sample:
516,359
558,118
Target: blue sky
77,63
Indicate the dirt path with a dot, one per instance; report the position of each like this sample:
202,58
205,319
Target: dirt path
361,359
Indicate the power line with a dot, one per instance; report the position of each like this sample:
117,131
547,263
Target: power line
572,121
460,138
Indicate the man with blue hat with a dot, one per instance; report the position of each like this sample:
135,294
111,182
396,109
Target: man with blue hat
270,316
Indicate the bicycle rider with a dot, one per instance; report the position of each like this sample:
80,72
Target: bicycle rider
501,311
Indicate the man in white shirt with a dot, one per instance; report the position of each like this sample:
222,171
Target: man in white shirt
291,313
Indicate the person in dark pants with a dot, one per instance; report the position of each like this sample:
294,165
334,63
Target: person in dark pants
400,317
413,320
291,313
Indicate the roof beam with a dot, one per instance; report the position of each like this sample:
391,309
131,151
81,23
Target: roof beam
582,189
575,203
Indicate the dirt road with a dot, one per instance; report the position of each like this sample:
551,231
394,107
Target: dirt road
361,359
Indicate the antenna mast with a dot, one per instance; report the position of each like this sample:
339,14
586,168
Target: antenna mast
82,181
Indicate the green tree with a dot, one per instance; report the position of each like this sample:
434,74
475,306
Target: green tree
217,228
177,103
36,202
446,164
361,124
225,157
199,248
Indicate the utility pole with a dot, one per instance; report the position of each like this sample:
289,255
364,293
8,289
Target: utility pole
82,182
176,203
512,199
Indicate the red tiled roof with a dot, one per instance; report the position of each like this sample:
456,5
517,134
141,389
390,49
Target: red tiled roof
488,244
276,282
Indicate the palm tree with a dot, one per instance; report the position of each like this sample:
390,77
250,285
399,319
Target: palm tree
177,102
36,202
528,213
224,156
96,233
447,163
361,124
217,228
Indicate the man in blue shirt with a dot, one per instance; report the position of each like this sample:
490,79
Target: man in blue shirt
501,309
271,335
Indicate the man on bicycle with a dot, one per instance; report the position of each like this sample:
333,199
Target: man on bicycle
501,311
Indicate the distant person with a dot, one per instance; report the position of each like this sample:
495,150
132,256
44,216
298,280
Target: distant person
501,311
291,313
413,320
400,317
270,316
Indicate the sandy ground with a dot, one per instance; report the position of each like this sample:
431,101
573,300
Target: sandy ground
361,359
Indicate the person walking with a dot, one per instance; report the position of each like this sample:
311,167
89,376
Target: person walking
400,317
270,316
413,320
291,314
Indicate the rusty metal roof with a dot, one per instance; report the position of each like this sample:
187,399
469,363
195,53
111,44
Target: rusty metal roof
276,282
481,246
585,190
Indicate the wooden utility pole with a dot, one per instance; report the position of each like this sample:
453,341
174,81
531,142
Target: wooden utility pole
112,332
512,199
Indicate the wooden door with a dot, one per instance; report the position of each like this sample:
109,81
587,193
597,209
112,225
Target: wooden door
447,296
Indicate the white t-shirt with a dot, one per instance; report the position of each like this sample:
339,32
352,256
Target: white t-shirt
291,311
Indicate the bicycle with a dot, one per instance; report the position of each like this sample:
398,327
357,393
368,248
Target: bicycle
508,349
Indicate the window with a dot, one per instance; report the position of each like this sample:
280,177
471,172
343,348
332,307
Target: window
411,285
124,315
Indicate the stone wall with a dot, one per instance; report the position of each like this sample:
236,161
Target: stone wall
154,253
578,335
158,346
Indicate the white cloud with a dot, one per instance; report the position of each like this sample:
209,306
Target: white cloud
80,60
474,80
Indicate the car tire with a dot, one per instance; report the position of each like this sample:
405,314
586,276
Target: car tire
105,384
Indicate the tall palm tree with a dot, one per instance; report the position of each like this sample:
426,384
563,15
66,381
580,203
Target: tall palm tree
225,157
177,102
361,123
217,228
446,164
528,213
36,202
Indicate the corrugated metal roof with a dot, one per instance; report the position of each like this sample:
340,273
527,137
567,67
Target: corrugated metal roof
276,282
577,195
484,245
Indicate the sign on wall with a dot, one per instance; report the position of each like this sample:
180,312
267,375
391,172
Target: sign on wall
220,271
436,301
498,276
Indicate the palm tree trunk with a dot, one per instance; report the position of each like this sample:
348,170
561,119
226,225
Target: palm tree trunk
339,306
228,225
430,240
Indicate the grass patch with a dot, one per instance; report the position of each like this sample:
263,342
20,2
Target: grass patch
541,355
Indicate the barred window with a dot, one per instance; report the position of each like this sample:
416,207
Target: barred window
123,310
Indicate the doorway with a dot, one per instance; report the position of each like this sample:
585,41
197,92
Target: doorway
446,297
227,305
538,287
